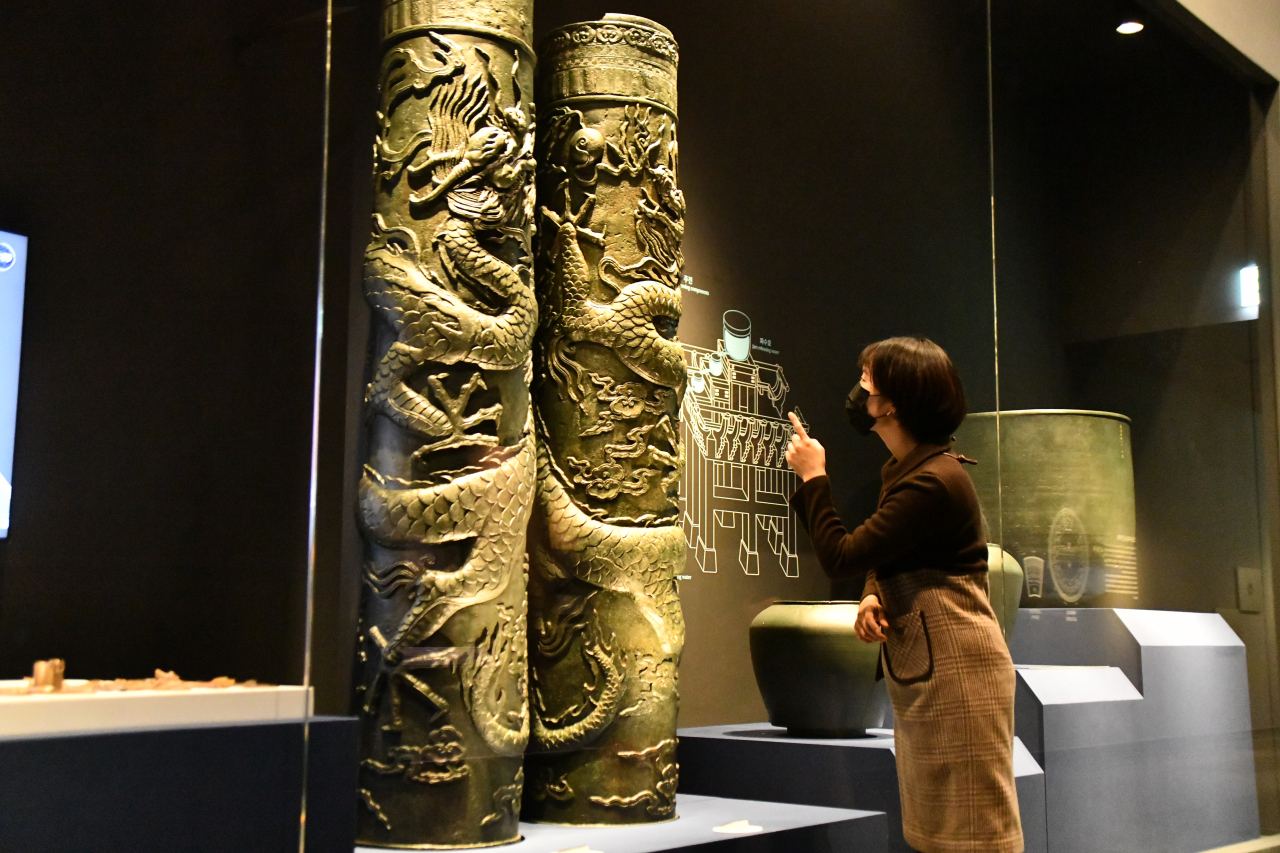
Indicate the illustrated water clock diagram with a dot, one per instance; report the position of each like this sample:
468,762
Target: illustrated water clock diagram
736,484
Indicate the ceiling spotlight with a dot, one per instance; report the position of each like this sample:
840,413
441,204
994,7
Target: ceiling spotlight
1129,17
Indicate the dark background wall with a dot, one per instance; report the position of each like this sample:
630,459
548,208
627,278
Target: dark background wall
165,161
835,164
166,164
1128,176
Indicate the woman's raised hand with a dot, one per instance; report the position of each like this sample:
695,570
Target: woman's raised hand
806,456
871,623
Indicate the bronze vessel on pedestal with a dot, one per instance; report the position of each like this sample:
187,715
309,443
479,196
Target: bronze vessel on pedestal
1005,580
449,482
606,629
817,679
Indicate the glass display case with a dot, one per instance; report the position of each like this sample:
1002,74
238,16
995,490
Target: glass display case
161,187
1136,432
420,374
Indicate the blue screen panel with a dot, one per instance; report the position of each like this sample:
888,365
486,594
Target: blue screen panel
13,272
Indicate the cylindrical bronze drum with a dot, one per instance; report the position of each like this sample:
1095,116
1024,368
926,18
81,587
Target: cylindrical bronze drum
1059,497
606,629
447,490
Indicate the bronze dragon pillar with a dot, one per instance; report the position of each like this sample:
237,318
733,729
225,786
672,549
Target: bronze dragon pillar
606,629
449,483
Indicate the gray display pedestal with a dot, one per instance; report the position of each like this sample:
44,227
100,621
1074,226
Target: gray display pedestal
759,761
1140,719
783,829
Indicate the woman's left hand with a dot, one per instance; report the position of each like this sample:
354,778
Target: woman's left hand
806,456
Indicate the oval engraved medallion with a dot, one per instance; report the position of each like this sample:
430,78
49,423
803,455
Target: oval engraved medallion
1069,555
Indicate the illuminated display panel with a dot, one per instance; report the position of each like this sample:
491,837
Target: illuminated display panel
13,269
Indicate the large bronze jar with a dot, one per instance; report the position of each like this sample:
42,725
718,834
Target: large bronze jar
1056,487
816,677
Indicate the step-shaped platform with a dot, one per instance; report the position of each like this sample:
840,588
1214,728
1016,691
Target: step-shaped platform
1140,719
762,762
783,828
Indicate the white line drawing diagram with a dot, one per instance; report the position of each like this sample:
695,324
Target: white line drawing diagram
733,496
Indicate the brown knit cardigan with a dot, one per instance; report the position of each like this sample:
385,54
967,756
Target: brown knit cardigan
928,518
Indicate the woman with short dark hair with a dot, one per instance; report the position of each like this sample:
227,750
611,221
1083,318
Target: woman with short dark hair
925,599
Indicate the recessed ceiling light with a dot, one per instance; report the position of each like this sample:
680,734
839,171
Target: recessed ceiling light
1128,28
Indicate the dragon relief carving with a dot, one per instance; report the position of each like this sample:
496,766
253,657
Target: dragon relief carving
506,801
500,710
607,628
479,158
441,759
446,496
601,696
545,784
638,325
656,680
490,507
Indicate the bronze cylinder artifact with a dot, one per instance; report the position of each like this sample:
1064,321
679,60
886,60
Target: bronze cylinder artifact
606,629
1056,488
447,490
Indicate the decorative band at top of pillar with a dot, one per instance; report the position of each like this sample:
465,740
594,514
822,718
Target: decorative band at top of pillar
510,20
620,57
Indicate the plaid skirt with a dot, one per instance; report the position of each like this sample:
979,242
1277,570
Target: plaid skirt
951,682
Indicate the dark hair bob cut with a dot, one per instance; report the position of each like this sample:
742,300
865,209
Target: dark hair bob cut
918,376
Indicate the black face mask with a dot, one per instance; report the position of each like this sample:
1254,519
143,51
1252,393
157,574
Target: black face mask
856,408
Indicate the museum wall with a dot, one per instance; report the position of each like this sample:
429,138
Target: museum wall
835,163
164,160
1127,173
838,195
1195,477
1251,26
834,166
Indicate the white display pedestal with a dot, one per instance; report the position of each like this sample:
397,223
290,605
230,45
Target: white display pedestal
783,829
1133,735
85,713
